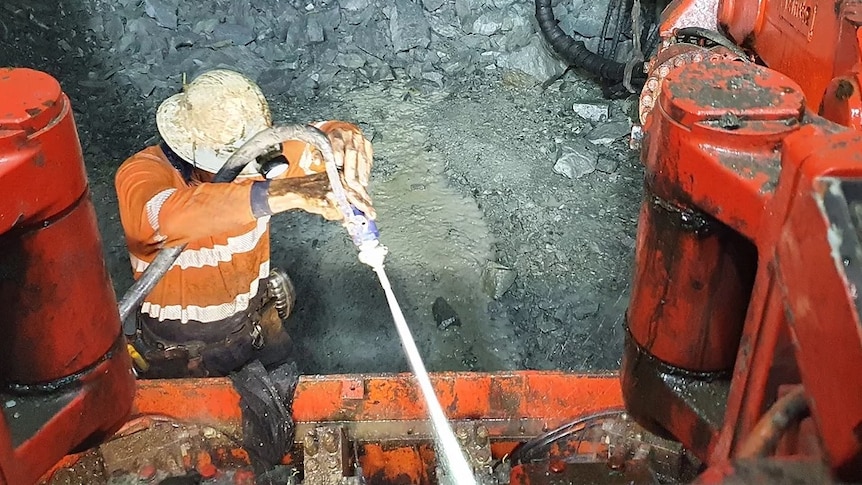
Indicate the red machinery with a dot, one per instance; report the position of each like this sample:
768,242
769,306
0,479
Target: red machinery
745,293
744,341
65,375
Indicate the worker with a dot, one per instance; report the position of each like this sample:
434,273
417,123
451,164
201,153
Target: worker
217,308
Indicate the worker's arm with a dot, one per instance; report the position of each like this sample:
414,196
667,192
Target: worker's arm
158,209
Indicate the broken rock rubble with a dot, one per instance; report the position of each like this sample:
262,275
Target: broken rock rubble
313,44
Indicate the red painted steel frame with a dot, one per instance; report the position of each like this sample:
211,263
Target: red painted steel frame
551,396
734,141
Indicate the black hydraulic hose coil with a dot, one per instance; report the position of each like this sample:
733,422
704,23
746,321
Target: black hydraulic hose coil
575,52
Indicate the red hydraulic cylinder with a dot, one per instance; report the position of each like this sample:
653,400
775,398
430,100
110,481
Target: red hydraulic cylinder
692,282
59,307
66,378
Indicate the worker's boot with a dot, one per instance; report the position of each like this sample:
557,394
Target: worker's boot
281,292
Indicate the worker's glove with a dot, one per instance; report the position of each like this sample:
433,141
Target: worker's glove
353,156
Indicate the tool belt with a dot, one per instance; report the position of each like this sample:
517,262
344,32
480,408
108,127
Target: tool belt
197,349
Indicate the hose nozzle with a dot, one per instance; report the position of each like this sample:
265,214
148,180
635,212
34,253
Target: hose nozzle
366,237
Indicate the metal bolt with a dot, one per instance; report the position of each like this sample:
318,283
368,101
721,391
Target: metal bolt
311,466
333,462
481,433
310,444
461,433
483,456
328,441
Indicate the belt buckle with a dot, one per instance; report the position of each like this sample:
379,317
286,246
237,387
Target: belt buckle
256,336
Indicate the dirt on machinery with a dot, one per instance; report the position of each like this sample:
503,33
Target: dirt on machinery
499,261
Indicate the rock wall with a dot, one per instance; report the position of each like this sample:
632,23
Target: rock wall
300,47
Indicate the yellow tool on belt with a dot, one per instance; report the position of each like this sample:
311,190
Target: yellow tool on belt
137,358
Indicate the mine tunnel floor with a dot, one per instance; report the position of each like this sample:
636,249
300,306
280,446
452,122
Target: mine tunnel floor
468,198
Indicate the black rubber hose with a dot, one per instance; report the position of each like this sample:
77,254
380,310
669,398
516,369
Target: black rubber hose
575,52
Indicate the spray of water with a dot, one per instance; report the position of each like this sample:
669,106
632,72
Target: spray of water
371,253
452,457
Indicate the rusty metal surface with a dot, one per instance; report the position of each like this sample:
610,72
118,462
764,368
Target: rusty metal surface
684,406
326,457
784,471
551,397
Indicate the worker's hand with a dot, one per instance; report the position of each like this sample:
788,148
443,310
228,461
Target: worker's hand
354,157
311,193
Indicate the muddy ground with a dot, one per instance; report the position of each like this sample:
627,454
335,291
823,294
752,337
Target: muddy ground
463,177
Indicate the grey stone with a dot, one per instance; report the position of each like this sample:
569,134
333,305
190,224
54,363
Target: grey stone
359,17
516,24
205,26
434,77
276,52
497,279
577,159
407,25
488,23
547,325
595,111
275,81
163,11
329,18
443,26
327,74
590,18
607,133
350,60
432,5
96,23
235,33
468,10
534,59
479,43
353,5
584,309
326,57
314,31
296,35
383,73
444,314
114,28
371,39
142,81
607,164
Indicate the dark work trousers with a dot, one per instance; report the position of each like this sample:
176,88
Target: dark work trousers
219,353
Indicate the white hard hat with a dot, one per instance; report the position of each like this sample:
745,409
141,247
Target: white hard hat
215,114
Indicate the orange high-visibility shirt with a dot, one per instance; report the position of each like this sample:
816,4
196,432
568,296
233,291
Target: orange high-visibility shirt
225,225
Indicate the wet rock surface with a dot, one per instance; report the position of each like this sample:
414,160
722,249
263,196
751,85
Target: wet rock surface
468,122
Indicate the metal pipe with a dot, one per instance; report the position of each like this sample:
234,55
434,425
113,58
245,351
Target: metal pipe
258,145
771,427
